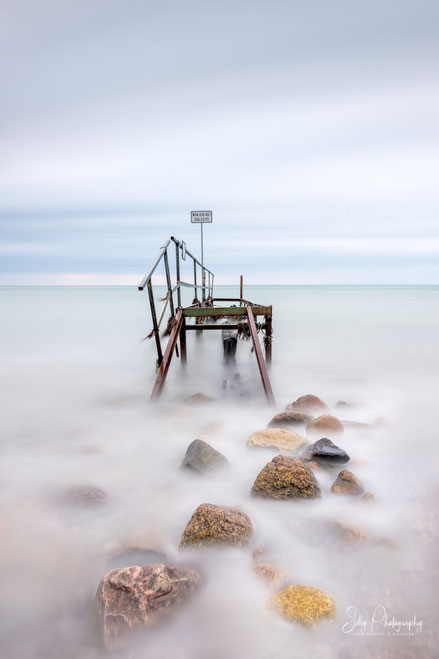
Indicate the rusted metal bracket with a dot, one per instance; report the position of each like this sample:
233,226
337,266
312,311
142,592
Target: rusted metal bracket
260,359
164,366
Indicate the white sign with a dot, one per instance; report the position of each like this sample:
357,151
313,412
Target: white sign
201,216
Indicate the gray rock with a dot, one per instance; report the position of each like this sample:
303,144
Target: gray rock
202,457
325,452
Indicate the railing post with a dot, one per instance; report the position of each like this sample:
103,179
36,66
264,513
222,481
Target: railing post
268,338
169,282
203,283
154,323
195,280
177,270
183,340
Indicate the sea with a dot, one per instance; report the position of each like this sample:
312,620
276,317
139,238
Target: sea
76,377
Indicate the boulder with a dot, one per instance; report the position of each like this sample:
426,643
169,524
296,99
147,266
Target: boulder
325,425
303,604
268,573
290,419
202,457
217,525
324,452
286,478
132,556
87,496
277,438
199,399
134,598
309,403
347,483
367,496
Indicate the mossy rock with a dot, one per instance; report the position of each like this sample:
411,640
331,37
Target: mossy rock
303,604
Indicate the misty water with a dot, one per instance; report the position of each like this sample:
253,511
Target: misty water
75,384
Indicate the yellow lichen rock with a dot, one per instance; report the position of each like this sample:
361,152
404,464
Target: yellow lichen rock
303,604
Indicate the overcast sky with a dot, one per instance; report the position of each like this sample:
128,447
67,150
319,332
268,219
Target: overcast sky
310,129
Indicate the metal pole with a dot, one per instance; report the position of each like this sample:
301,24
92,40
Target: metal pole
203,280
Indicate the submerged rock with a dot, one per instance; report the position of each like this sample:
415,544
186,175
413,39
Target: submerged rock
303,604
325,424
347,483
290,419
308,403
132,556
324,452
277,438
84,497
367,496
269,573
134,598
199,399
202,457
286,478
349,533
217,525
356,425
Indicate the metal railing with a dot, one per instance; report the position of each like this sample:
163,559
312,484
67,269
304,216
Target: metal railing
181,253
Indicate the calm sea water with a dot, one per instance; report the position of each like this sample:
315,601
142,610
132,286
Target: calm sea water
75,383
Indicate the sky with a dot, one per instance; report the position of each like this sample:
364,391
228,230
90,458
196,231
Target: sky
310,129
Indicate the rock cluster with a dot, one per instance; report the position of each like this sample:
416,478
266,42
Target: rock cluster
286,478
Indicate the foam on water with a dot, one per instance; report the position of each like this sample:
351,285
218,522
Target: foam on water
75,381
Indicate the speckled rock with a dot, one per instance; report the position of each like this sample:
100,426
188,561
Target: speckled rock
309,403
269,573
277,438
303,604
286,478
202,457
325,425
324,452
217,525
84,497
134,598
290,420
347,483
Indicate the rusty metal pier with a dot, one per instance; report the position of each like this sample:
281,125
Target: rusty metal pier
205,313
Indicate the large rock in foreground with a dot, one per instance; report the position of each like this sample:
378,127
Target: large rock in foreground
347,483
278,438
286,478
290,420
303,604
202,457
134,598
325,425
324,452
309,403
217,525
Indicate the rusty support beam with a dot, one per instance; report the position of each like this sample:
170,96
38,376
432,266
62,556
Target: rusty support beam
268,338
260,359
164,366
202,312
183,341
215,327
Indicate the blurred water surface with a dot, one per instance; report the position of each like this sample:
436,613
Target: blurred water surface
75,382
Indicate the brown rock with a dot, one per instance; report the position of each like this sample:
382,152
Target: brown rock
278,438
134,598
350,533
217,525
325,425
199,399
290,419
286,478
347,483
269,573
309,403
